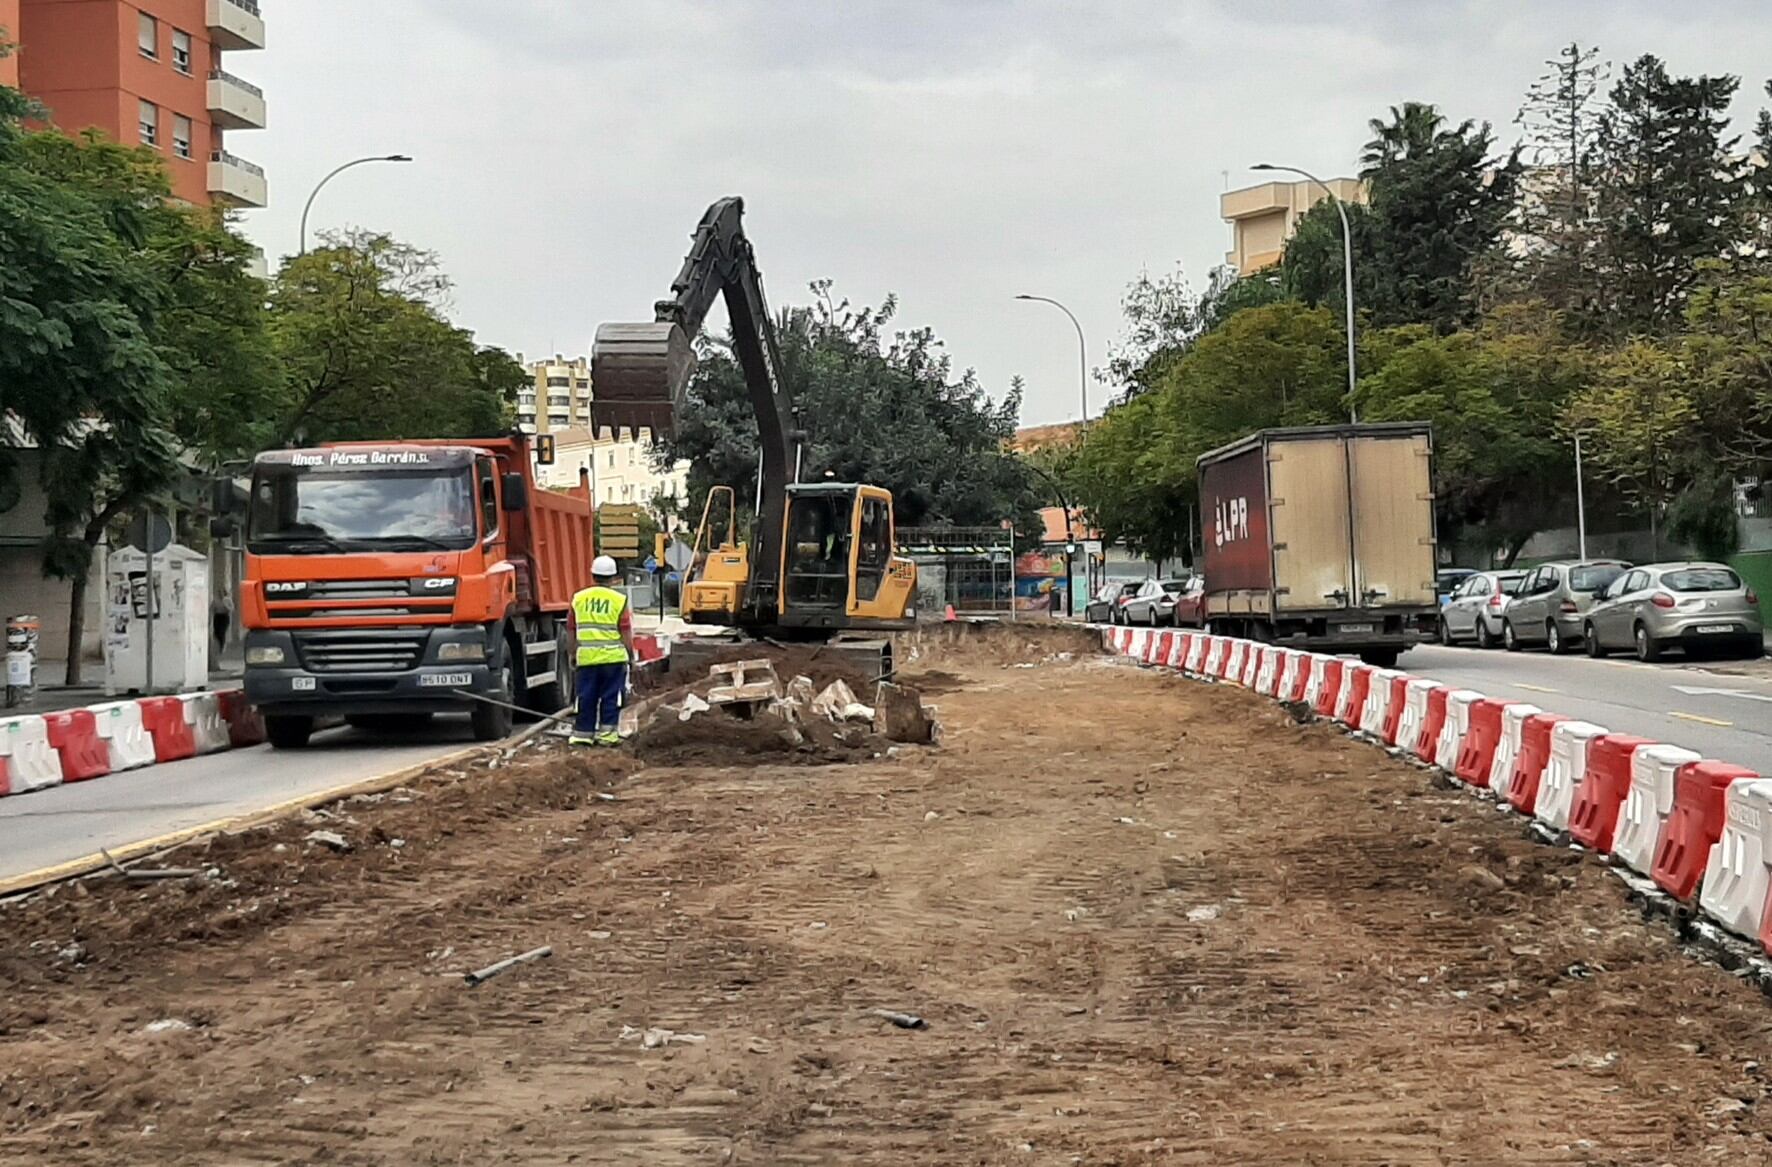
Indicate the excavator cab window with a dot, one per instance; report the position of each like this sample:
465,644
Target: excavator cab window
875,552
818,550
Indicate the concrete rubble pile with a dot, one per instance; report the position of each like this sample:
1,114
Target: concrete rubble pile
745,689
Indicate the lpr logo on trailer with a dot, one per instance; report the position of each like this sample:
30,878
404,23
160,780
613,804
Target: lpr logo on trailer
1231,520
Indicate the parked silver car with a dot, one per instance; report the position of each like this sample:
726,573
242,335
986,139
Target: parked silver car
1110,599
1692,606
1551,606
1153,603
1473,613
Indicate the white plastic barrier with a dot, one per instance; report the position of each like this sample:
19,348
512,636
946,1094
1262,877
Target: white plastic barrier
1507,750
1216,647
1196,653
120,728
1298,664
203,715
1568,762
1453,729
1177,649
1646,807
1251,666
1378,701
31,762
1344,696
1414,712
1736,877
1267,677
1136,641
1313,688
1233,660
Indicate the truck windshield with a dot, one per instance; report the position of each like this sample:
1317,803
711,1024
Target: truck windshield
306,511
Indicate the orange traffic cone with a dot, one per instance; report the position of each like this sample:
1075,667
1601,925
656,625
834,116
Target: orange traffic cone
949,614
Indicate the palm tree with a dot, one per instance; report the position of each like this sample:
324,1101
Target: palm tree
1413,129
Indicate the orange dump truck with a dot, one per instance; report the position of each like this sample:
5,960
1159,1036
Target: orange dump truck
387,581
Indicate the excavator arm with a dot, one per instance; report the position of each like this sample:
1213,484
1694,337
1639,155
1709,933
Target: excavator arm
640,373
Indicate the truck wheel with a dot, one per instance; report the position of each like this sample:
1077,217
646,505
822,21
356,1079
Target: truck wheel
493,722
287,731
1381,658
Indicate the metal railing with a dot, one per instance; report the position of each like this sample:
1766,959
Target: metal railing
971,569
246,6
224,75
227,159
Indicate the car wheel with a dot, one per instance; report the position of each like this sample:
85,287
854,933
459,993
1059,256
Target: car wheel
1151,614
1508,637
1486,638
1553,638
1647,650
1445,632
1592,639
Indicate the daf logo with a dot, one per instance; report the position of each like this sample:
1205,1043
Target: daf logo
277,589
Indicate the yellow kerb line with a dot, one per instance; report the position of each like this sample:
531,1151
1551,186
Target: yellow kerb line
1704,720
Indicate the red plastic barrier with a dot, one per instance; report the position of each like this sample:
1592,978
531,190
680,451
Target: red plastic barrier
647,648
1331,690
1393,717
245,726
1594,816
1431,725
1695,824
1361,685
1301,680
1534,756
5,778
74,735
1477,753
164,719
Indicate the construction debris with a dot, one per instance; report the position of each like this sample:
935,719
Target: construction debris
830,704
751,682
480,976
329,839
901,716
902,1020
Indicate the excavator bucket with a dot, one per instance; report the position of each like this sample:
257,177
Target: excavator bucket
639,375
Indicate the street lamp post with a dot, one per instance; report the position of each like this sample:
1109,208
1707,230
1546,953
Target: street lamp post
1082,347
1347,270
309,205
1580,498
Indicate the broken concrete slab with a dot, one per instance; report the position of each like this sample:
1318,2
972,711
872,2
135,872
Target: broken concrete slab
899,715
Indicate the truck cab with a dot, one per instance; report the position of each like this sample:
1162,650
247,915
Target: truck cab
386,582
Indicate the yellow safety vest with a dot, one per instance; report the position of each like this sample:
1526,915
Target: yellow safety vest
596,612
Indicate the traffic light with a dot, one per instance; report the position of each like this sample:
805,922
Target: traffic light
544,449
660,541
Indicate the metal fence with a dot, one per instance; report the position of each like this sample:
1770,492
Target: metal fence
970,568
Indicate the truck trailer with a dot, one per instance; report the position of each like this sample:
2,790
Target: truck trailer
1323,538
389,581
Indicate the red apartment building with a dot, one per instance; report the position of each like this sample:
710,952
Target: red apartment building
148,72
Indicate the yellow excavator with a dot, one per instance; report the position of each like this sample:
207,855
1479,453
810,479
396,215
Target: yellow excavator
820,563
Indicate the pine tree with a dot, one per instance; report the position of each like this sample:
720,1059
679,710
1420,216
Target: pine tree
1555,232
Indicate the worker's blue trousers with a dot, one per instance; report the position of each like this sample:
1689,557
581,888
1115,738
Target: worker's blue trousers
600,689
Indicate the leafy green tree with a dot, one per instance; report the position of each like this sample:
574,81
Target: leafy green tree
366,352
1667,193
1440,199
886,411
1164,316
1638,415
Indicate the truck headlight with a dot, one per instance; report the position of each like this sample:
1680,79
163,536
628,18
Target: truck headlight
460,650
265,655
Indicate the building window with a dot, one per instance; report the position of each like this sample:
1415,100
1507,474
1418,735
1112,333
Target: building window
612,459
181,51
583,384
148,36
181,135
559,382
150,124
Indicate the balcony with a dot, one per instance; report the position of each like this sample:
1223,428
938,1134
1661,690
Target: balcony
235,182
236,24
235,104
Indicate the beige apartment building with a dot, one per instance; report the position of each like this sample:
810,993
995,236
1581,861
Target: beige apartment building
1263,217
620,469
558,396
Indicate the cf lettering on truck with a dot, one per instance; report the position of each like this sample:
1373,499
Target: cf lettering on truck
1323,538
386,582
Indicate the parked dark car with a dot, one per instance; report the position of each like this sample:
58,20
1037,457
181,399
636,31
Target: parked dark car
1109,599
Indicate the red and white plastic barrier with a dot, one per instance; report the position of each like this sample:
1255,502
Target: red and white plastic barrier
31,762
1452,730
73,734
1736,872
1414,713
1599,799
203,714
1695,824
1198,646
1568,762
1513,726
126,741
1647,806
1378,702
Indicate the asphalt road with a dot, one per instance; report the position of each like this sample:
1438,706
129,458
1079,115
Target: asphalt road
1717,714
64,823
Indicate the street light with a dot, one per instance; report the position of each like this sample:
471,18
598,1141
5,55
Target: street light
1082,347
1347,268
316,194
1580,498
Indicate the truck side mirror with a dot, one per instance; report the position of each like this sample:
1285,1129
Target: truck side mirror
516,493
224,499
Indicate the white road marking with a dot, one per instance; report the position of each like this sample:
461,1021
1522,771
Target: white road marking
1701,691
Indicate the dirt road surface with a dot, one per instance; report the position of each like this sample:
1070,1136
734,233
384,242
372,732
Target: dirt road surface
1147,921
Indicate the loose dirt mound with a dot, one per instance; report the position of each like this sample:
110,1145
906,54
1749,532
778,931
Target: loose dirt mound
963,643
716,739
797,660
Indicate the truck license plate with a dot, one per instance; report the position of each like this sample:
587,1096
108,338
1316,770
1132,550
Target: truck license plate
1355,628
1704,628
302,684
445,680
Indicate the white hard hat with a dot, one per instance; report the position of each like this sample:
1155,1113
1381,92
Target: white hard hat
604,565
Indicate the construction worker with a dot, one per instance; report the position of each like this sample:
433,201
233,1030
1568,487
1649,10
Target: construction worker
603,629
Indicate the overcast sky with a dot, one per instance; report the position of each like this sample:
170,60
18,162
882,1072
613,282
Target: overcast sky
954,153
